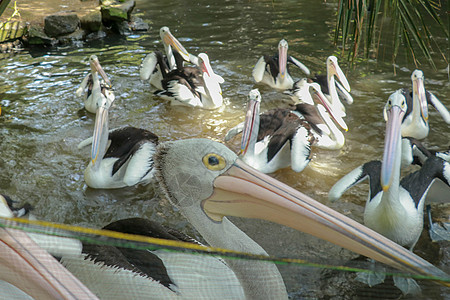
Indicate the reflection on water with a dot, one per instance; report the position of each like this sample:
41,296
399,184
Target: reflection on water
42,120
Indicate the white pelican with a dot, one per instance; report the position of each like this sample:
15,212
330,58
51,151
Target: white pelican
151,69
332,88
207,182
191,86
120,157
395,208
280,138
415,124
329,136
273,70
92,89
29,272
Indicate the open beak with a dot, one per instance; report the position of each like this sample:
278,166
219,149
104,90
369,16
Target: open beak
100,137
419,90
245,192
340,76
282,58
169,39
317,94
95,65
392,142
251,124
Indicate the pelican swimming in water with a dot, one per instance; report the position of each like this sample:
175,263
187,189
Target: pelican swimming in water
283,137
120,157
334,90
153,71
207,182
273,70
192,86
93,89
415,123
395,208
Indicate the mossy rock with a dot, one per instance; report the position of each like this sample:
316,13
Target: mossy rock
117,12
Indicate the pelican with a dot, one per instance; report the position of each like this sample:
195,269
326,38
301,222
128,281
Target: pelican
415,124
30,272
206,181
94,91
191,86
273,70
283,137
153,71
332,88
329,136
120,157
395,208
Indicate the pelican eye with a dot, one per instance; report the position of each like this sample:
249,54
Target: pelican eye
214,162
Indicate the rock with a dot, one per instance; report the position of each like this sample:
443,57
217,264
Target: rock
37,36
60,24
91,22
78,35
137,24
12,30
117,12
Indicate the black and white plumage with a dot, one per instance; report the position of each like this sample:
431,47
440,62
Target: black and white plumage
94,91
206,181
153,70
415,123
334,90
283,137
192,86
273,70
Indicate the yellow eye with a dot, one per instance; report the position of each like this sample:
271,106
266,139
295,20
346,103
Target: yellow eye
214,162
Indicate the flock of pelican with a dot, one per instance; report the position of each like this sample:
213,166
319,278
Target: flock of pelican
207,182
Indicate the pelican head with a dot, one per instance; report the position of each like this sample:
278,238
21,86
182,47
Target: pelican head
212,182
417,79
333,69
169,40
251,124
394,111
282,57
96,68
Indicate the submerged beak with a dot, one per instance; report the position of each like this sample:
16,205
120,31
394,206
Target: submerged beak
245,192
317,94
419,91
95,65
100,137
282,59
169,39
392,140
251,125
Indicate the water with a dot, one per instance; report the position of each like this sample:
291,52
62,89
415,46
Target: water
43,121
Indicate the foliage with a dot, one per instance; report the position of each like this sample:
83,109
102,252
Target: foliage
361,21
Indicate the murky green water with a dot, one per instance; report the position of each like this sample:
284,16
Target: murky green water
43,121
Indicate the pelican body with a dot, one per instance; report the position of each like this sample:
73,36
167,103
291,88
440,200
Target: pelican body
92,89
415,123
395,208
191,86
273,70
207,182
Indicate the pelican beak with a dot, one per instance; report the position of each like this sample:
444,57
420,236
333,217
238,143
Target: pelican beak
392,142
340,75
419,91
95,65
245,192
251,124
169,39
100,137
282,57
317,94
